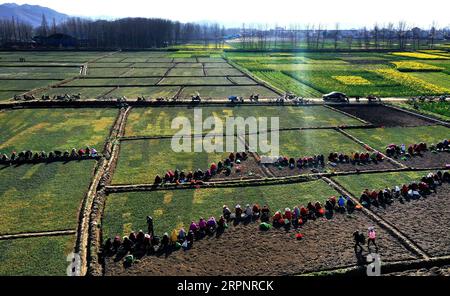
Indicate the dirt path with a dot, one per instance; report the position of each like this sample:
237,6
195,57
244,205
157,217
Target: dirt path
37,234
93,233
82,246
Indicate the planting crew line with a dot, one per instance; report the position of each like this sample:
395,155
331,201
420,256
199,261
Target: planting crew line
29,156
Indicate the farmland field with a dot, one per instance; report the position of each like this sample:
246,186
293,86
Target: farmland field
157,121
223,92
437,109
113,82
380,137
47,196
42,197
141,160
175,208
315,73
50,129
38,256
311,142
357,184
152,92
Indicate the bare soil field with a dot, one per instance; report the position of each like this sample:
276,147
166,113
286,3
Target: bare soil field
245,250
426,220
380,115
428,160
249,169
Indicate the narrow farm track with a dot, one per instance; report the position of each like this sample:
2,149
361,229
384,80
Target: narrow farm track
394,231
82,242
270,180
166,73
93,233
144,137
37,234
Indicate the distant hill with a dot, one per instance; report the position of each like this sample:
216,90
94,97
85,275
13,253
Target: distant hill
31,14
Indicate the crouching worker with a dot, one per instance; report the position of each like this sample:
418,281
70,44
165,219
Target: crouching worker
226,213
277,219
237,213
202,226
116,243
265,214
256,212
211,225
221,224
248,213
165,241
107,247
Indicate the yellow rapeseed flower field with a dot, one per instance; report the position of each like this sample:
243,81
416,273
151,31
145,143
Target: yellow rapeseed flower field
352,80
420,55
415,66
412,82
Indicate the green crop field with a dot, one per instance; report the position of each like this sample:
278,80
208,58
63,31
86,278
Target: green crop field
50,129
310,142
436,109
157,65
157,121
176,208
107,72
112,82
438,78
222,72
223,92
138,72
241,80
42,197
52,73
317,73
195,81
378,138
6,95
357,184
141,160
38,256
287,83
151,91
188,65
109,65
24,85
186,72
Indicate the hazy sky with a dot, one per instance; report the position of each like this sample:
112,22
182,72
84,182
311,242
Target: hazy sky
349,13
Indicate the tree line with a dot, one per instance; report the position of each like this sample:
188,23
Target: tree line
316,37
13,30
120,33
157,33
